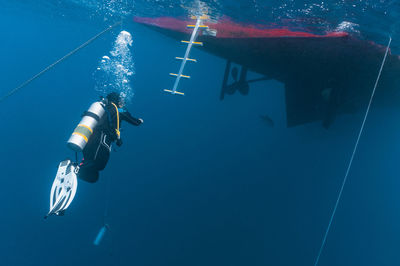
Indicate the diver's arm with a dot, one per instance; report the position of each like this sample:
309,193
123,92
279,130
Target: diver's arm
126,116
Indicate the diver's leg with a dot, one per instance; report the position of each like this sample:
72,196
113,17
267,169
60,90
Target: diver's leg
102,158
103,152
88,171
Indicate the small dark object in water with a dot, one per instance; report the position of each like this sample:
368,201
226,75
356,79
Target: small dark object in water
267,120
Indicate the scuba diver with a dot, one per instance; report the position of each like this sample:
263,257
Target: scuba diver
96,146
94,135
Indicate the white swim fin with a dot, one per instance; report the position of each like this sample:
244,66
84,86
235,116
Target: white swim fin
64,188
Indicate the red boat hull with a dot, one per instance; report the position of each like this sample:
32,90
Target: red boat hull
306,63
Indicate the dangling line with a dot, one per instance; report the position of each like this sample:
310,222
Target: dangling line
352,156
107,202
83,45
103,230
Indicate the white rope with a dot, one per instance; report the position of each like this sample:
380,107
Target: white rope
83,45
352,156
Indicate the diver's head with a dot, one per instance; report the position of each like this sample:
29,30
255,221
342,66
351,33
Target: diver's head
116,98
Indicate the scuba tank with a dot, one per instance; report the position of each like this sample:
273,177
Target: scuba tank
84,130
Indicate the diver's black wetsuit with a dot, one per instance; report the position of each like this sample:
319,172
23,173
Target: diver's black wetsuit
97,151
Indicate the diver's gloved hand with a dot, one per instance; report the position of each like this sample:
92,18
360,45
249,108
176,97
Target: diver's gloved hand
119,142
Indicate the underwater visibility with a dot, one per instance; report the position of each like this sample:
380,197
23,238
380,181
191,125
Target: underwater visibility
200,132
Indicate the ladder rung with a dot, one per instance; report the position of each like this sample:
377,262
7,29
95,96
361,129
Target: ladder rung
197,43
176,75
200,26
201,17
176,92
188,59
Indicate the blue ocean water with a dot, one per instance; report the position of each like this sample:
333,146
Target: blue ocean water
202,181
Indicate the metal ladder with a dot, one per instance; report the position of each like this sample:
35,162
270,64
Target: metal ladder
190,43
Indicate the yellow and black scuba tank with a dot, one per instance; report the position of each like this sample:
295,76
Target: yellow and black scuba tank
84,130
